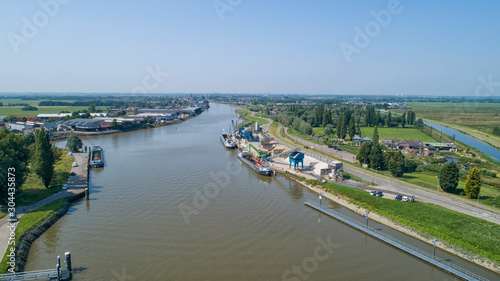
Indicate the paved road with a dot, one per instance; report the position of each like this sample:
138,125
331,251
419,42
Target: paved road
399,187
76,184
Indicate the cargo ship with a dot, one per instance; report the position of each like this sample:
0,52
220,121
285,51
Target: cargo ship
96,157
255,164
226,140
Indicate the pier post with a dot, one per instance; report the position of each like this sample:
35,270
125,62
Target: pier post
68,263
58,268
87,193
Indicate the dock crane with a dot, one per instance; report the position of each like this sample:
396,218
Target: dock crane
262,155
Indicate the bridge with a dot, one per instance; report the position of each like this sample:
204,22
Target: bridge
47,274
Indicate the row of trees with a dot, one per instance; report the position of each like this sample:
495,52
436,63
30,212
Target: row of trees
449,177
373,155
16,153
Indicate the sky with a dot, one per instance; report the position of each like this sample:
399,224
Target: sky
240,46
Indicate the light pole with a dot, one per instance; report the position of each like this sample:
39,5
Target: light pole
477,202
437,188
366,215
320,199
434,242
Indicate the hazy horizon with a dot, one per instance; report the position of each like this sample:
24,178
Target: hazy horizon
424,48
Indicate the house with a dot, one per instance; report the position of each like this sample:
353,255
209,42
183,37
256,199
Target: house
403,144
366,140
441,146
356,140
85,125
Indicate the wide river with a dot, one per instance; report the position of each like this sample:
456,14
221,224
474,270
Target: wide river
173,204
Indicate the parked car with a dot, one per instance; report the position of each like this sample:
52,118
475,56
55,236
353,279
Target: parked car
379,194
373,192
399,197
65,187
75,164
406,199
72,173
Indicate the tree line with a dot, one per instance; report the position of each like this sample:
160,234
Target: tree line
20,153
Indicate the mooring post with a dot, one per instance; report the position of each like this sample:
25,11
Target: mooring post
68,263
87,193
58,268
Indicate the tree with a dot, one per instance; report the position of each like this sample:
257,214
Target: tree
403,120
44,157
363,155
14,157
74,143
114,124
396,163
375,136
328,129
352,128
496,131
376,157
473,183
388,119
91,108
448,177
340,122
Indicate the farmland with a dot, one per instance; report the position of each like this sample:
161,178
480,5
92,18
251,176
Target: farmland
479,118
396,133
17,110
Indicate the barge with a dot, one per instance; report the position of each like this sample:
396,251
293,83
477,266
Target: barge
255,164
226,140
96,157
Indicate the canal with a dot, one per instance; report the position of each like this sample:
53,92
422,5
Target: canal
477,144
173,204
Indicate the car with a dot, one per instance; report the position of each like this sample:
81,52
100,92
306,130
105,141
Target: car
373,192
379,194
75,164
72,173
12,219
65,187
405,199
399,197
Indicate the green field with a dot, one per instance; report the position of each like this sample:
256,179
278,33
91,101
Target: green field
468,232
396,133
479,117
16,110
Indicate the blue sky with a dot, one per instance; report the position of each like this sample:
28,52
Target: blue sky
426,48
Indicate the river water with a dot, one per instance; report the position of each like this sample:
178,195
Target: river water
236,225
477,144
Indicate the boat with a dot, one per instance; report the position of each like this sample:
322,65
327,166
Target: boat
96,157
255,164
226,140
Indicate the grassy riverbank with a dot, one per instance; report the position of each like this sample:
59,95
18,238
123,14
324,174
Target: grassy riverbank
27,222
33,189
473,234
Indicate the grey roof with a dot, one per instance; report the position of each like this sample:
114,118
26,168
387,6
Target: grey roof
356,138
367,138
81,123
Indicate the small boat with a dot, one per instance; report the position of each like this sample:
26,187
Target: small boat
226,140
255,164
96,157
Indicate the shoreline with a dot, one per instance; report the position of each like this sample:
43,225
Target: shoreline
343,201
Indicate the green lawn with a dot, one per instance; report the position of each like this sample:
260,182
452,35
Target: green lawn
468,232
396,133
33,189
28,221
248,115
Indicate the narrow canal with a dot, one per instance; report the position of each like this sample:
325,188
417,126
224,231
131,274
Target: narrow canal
173,204
477,144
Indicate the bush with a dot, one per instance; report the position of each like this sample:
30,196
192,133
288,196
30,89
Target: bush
29,108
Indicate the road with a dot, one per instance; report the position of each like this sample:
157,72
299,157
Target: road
399,187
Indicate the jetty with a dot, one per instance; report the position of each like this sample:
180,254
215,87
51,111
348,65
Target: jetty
414,251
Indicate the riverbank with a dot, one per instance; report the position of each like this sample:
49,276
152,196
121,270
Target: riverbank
356,206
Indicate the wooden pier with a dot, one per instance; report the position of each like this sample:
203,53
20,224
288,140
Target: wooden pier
48,274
